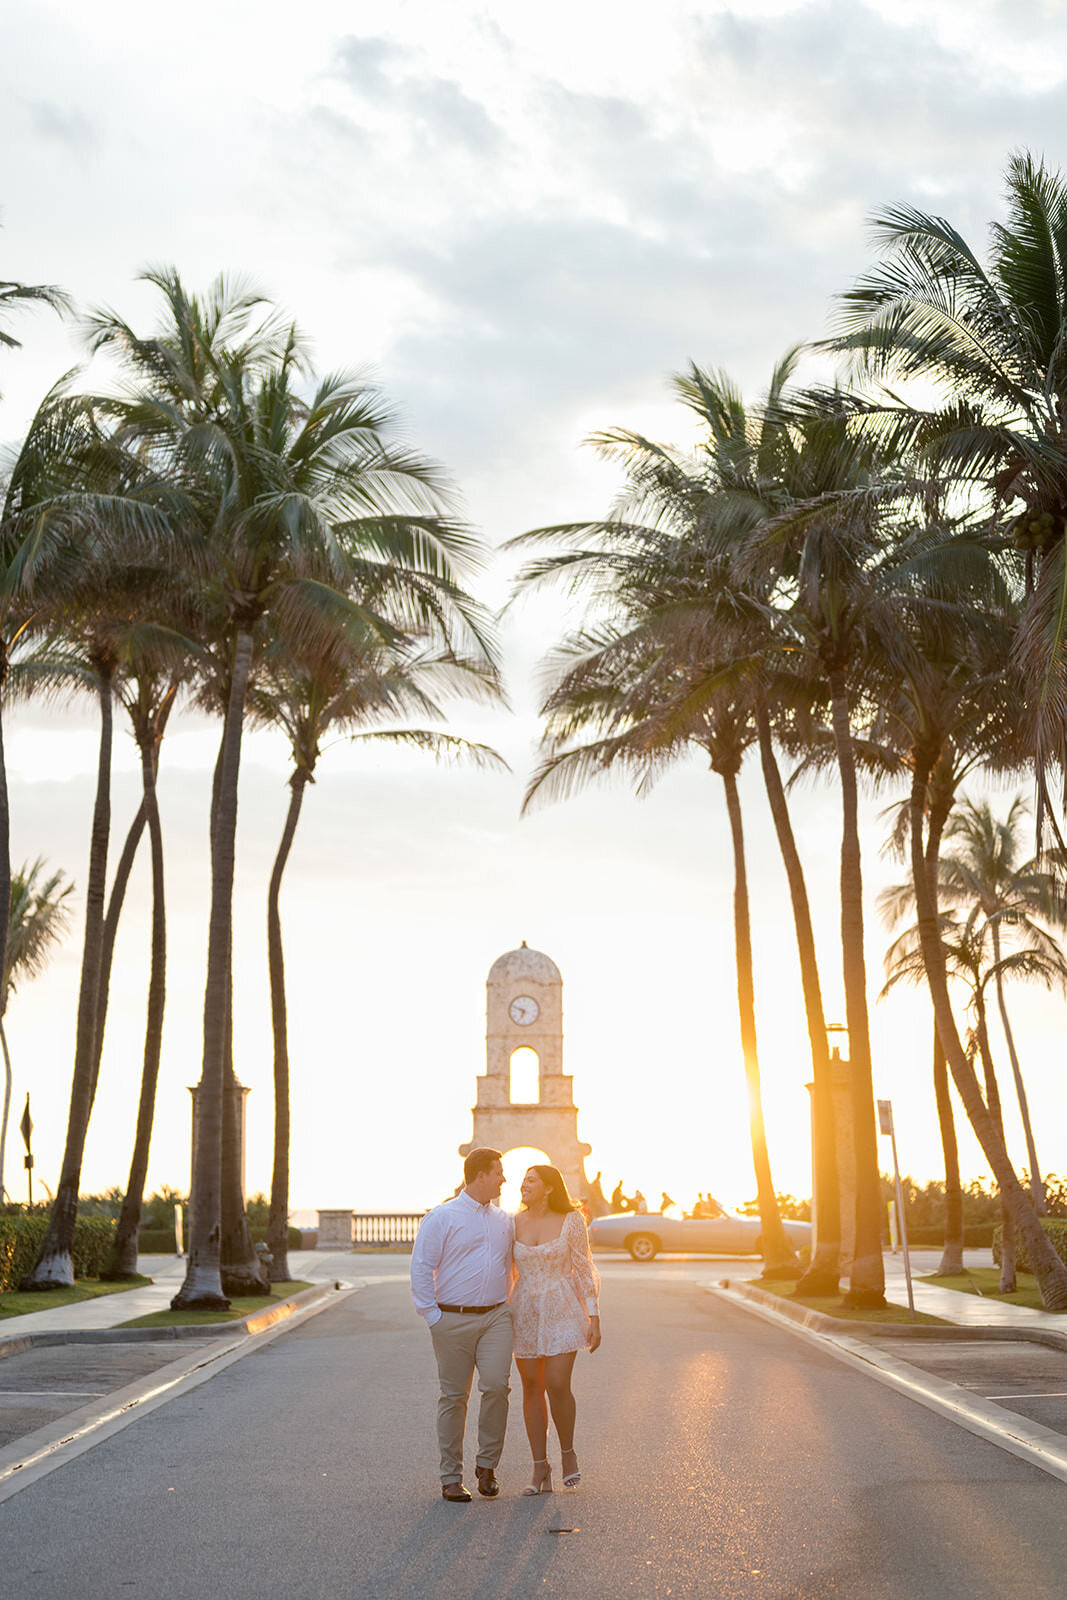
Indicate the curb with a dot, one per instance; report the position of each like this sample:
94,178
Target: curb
819,1322
1032,1442
255,1322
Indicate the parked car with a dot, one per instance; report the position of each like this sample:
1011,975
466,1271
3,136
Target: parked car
727,1234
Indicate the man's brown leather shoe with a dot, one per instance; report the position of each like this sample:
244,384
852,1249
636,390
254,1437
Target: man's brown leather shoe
456,1493
487,1483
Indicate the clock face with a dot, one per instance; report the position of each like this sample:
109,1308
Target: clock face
524,1010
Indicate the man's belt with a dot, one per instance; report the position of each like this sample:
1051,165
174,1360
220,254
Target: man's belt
470,1311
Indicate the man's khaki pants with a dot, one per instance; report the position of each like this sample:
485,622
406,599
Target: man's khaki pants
463,1345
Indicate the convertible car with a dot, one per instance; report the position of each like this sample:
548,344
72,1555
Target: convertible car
646,1234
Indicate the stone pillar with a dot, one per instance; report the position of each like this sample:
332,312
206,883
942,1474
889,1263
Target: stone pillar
844,1123
335,1230
241,1094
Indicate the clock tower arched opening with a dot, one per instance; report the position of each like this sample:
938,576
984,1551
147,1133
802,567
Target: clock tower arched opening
524,1077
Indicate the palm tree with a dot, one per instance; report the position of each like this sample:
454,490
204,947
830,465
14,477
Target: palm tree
692,512
986,871
970,958
307,515
96,626
992,338
623,691
658,686
38,920
824,548
747,452
1049,1270
66,499
945,686
157,659
17,296
341,695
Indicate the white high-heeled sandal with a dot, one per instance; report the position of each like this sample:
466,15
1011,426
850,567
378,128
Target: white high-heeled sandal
545,1486
571,1479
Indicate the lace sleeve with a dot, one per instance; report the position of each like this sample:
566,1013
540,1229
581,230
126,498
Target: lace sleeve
586,1276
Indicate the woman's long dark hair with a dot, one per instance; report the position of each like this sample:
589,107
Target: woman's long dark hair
558,1197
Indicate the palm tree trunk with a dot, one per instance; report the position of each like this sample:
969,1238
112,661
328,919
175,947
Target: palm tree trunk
240,1269
55,1268
940,799
7,1107
110,931
153,730
1037,1186
203,1283
823,1273
996,1111
5,837
952,1250
1050,1271
867,1277
243,1272
778,1254
278,1227
123,1262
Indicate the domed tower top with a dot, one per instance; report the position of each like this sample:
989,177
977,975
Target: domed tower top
524,965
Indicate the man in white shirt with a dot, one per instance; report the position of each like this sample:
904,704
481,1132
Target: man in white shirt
460,1277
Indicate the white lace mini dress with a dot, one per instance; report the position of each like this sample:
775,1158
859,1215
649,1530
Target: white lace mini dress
555,1292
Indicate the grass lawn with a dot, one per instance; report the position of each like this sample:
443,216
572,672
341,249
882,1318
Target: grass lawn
14,1304
986,1281
830,1306
241,1307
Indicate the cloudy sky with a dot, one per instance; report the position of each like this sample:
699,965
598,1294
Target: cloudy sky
523,220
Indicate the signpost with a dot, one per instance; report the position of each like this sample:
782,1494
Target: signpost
26,1129
885,1125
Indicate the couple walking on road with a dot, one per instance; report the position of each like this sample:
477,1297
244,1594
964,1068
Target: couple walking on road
489,1285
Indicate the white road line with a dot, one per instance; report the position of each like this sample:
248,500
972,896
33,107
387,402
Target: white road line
1053,1394
53,1394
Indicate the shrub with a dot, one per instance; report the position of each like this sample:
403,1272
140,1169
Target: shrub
21,1238
1055,1227
157,1242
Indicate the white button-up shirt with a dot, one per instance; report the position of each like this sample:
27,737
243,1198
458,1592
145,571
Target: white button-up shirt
461,1256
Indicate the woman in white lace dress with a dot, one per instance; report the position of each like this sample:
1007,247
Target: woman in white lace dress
555,1313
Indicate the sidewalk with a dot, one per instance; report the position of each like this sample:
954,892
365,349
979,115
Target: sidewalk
966,1310
167,1273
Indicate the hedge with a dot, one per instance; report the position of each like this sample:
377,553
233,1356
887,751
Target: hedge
1055,1227
21,1239
976,1235
161,1241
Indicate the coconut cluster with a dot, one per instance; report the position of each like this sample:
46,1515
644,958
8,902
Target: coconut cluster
1036,530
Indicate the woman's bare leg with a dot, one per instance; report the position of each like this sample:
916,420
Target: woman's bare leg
557,1381
535,1411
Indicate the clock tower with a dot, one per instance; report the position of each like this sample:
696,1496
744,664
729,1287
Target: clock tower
524,1013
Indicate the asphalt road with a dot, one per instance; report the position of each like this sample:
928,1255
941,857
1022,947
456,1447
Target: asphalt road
721,1456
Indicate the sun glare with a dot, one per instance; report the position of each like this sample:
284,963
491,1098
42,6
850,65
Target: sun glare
516,1164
